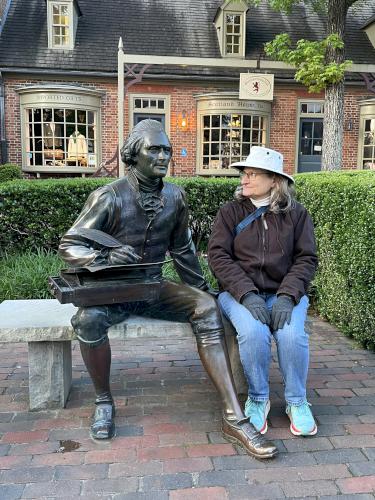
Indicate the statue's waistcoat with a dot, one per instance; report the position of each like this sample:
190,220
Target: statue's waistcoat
131,226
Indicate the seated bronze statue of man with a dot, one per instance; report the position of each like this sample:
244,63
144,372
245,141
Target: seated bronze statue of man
150,217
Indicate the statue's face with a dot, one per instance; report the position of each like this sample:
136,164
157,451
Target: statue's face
154,156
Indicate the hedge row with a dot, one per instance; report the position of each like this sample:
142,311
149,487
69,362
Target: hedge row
342,206
9,172
36,214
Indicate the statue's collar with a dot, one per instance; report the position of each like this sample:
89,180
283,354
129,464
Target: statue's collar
144,184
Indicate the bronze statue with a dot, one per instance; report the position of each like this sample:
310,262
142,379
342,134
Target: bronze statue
149,217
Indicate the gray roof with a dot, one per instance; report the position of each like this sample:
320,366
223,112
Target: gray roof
160,27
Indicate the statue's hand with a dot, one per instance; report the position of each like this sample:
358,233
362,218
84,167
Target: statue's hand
123,255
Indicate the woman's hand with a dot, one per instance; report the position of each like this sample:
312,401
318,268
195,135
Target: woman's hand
257,307
281,312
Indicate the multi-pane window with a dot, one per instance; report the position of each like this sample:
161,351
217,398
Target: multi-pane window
368,158
149,107
148,103
312,108
61,30
61,137
228,137
232,33
311,137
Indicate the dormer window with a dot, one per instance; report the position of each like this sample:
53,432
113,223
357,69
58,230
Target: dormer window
62,23
369,28
230,23
233,33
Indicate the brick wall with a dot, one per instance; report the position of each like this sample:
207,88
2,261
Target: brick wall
283,130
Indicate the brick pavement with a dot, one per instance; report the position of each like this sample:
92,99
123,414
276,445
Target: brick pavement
168,443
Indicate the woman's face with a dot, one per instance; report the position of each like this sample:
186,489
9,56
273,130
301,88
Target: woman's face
256,183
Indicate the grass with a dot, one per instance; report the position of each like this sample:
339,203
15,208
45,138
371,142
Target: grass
25,276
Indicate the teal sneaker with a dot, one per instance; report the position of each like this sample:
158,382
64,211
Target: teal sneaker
257,411
302,422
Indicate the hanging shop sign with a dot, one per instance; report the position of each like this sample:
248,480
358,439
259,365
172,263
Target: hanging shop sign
256,86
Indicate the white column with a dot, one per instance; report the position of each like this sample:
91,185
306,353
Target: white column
120,102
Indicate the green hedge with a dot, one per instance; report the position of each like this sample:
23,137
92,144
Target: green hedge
9,172
342,206
36,214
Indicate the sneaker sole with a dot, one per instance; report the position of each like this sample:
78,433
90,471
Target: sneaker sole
264,429
296,432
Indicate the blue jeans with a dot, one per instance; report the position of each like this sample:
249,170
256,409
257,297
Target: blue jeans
254,341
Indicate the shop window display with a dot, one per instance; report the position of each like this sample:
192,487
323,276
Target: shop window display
227,138
58,137
368,161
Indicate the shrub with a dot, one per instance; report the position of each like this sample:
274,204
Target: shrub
25,276
342,206
36,214
9,172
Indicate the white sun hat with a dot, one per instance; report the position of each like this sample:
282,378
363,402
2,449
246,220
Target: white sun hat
265,159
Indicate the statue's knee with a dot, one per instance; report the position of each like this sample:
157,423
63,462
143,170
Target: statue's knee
207,306
90,325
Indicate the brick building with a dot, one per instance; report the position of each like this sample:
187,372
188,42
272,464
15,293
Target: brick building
59,105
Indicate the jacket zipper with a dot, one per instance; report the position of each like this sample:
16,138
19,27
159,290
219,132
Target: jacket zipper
263,229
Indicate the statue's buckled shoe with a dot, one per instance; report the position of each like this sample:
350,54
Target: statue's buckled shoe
244,434
103,426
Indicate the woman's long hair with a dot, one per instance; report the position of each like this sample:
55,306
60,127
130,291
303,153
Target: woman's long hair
282,195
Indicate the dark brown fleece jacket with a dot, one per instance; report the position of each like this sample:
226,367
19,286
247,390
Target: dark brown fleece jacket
275,254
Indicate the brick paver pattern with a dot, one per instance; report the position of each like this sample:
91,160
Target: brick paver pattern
169,444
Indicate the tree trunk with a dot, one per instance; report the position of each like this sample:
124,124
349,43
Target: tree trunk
333,127
333,123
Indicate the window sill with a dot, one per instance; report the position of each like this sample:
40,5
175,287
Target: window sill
61,170
218,173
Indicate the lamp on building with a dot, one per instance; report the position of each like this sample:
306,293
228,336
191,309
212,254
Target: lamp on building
183,122
349,124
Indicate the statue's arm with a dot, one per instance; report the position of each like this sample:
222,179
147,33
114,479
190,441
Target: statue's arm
182,249
77,250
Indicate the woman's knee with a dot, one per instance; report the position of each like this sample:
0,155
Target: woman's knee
252,331
292,334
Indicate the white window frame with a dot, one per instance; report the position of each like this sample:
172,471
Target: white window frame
300,115
233,8
224,104
367,112
240,34
51,43
150,110
60,97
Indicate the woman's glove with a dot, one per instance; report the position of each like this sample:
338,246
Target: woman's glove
281,312
257,307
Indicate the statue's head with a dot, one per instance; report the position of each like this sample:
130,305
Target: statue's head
148,149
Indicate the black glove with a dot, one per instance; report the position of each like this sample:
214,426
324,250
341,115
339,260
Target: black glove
281,312
257,307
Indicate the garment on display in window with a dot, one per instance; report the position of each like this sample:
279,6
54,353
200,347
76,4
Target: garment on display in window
48,135
77,147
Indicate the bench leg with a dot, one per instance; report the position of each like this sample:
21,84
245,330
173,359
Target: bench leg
50,374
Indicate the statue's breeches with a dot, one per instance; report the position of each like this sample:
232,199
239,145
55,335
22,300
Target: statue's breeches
177,302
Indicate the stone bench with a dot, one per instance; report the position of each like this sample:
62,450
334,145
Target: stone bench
45,326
